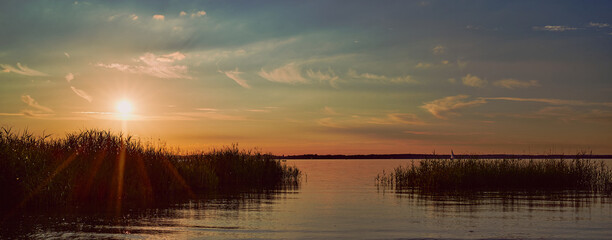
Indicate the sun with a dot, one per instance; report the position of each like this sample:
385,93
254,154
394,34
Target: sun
124,107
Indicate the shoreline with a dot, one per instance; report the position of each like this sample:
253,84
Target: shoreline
444,156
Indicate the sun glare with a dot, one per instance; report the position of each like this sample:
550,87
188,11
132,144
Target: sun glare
124,107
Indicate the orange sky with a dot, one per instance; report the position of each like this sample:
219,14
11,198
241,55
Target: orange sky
315,77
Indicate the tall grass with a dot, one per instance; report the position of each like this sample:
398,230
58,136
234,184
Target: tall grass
106,169
440,175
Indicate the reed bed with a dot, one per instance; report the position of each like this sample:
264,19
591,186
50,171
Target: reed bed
105,169
469,175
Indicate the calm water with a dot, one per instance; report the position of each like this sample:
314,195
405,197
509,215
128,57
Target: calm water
338,199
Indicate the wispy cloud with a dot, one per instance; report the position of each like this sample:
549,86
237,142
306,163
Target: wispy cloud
473,81
564,113
235,75
250,49
405,118
554,28
598,25
567,114
403,79
29,113
159,17
513,83
215,115
443,107
424,65
329,76
171,57
81,93
198,14
437,50
158,66
380,78
134,17
290,73
66,54
553,101
329,111
32,103
352,73
69,77
22,69
392,120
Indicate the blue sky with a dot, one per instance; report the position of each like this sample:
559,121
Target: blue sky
295,77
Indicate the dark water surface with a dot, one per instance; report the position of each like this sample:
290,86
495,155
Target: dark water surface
338,199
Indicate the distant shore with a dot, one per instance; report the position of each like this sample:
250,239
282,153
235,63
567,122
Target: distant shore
443,156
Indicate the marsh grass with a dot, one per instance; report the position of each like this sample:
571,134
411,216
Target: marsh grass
105,169
435,176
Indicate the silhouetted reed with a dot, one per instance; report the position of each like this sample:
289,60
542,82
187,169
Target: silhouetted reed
105,169
468,175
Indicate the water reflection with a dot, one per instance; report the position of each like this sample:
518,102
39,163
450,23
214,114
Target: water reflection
503,201
339,200
213,213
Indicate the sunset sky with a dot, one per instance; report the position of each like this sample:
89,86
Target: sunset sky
296,77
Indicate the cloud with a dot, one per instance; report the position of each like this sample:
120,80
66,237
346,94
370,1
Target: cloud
235,75
329,111
69,77
440,108
32,103
403,79
111,18
473,81
566,114
405,118
381,78
598,25
156,66
175,56
81,93
67,55
330,76
250,49
22,69
443,63
554,28
373,76
159,17
389,122
452,80
182,13
289,73
424,65
215,115
134,17
513,83
29,113
552,101
198,14
437,50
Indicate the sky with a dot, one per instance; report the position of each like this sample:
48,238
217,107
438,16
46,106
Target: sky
324,77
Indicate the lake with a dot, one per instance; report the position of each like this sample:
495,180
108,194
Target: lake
338,199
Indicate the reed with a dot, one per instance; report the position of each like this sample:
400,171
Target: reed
443,175
105,169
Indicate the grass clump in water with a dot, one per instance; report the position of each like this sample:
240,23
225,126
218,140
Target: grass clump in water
433,175
106,169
